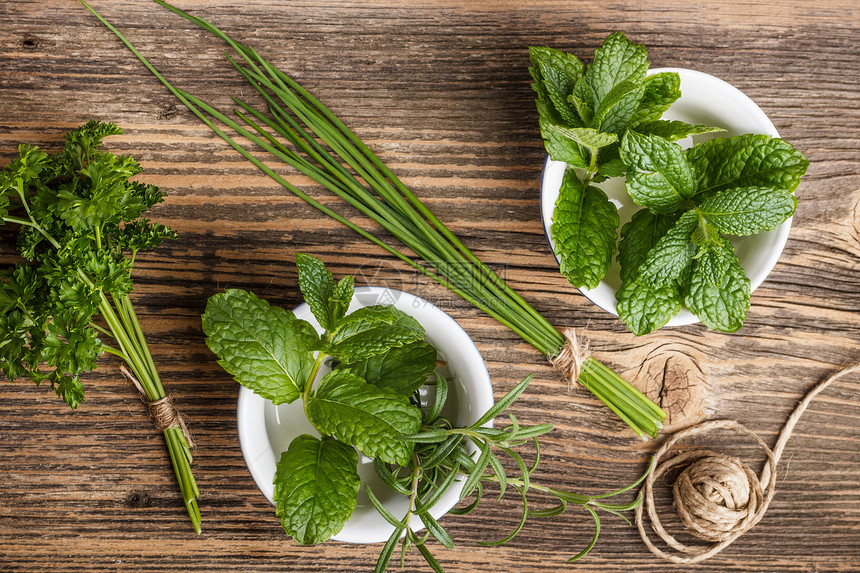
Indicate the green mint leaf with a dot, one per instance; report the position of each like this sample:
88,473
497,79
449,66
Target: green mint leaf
745,161
556,73
612,167
674,130
659,92
616,61
585,136
658,175
713,260
328,301
616,108
638,236
372,330
317,285
316,488
582,100
748,210
719,307
340,299
362,415
644,307
265,348
561,148
673,253
404,369
584,231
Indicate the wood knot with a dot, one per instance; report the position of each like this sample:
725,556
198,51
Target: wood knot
168,112
30,43
136,499
674,380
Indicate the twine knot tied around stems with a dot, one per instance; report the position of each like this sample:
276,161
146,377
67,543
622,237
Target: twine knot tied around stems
163,413
573,355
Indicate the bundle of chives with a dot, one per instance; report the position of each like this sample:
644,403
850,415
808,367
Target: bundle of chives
300,131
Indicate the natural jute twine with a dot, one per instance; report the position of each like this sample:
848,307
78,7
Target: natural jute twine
573,355
718,497
162,411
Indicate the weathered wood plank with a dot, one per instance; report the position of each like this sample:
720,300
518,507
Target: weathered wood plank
441,90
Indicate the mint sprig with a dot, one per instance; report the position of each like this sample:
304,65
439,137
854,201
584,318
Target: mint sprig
604,120
740,186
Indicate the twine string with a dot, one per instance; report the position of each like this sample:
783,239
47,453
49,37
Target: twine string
717,497
572,357
163,413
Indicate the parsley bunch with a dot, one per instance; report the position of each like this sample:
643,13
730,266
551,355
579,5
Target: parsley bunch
81,226
382,396
604,120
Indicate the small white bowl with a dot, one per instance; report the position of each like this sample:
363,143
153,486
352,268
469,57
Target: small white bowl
704,99
266,430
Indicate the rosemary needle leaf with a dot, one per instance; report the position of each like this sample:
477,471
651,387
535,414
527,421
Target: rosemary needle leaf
591,545
388,550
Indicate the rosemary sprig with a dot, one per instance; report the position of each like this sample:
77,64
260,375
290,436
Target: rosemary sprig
442,458
299,130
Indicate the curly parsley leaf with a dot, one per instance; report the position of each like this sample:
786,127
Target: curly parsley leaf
80,229
316,484
584,227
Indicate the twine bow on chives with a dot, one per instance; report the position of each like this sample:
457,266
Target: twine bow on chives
162,411
717,497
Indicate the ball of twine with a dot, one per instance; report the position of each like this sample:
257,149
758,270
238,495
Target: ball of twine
717,497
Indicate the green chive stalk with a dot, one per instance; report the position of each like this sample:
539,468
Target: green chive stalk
297,129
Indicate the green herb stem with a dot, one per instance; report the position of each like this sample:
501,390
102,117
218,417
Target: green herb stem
326,151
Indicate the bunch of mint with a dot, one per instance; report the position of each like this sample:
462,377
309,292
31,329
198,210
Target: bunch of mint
383,397
362,404
604,121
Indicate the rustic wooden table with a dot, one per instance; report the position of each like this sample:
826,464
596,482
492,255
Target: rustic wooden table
441,90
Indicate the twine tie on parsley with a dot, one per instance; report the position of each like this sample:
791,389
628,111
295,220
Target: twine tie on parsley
572,357
162,411
718,497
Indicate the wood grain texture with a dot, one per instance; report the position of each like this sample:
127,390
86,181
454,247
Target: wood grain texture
440,90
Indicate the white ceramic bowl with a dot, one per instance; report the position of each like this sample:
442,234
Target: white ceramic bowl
266,430
704,99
